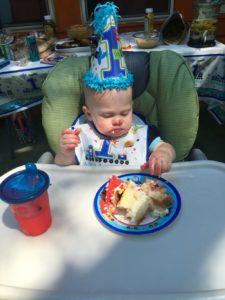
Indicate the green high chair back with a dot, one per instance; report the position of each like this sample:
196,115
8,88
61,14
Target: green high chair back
164,93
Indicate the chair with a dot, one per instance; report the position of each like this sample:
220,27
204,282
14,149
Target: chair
164,93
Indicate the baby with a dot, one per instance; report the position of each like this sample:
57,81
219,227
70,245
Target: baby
109,123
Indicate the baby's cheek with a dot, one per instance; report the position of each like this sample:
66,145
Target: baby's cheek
102,125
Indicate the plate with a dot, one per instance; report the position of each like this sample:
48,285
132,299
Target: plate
71,50
149,224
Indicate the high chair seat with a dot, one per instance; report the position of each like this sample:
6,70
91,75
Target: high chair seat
164,93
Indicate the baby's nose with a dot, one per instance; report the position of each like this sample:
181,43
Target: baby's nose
117,121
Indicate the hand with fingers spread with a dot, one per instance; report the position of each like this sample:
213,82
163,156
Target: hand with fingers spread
68,141
160,159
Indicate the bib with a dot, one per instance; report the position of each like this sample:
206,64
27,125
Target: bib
97,150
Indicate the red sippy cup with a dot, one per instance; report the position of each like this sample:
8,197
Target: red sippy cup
26,193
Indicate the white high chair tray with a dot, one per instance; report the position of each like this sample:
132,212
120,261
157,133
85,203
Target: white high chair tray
79,258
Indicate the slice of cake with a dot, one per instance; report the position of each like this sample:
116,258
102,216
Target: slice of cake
159,206
134,201
159,200
114,189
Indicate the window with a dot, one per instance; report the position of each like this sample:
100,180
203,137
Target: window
130,10
24,13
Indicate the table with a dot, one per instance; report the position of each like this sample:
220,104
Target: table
79,258
20,87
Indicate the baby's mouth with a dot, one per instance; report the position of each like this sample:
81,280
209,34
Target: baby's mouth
118,132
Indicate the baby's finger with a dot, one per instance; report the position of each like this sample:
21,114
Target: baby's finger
166,165
70,146
68,131
151,164
77,139
68,139
158,167
77,131
144,166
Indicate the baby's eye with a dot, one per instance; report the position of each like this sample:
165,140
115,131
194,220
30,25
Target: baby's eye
106,116
125,113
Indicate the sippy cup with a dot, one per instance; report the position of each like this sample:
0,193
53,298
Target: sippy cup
26,193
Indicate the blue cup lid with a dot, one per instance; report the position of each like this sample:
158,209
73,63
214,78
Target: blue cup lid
24,186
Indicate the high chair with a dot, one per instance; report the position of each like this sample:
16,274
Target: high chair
163,92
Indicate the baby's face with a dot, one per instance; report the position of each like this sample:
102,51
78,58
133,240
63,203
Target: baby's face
111,112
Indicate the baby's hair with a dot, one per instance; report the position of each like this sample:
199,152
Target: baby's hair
90,94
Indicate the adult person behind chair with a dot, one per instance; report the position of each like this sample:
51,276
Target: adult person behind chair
109,130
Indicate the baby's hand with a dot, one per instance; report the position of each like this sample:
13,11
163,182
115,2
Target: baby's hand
157,164
69,140
160,160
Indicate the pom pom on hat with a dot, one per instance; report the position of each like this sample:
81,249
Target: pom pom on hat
108,68
101,14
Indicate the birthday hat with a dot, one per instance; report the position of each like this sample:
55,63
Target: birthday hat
108,68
